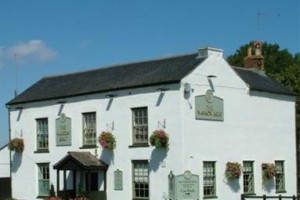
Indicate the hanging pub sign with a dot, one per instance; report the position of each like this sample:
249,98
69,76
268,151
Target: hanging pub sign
63,131
209,107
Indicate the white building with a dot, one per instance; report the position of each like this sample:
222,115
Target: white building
4,162
5,180
213,113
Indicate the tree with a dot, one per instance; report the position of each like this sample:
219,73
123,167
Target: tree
283,67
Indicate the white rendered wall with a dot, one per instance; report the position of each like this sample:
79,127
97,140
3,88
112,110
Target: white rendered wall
4,162
257,126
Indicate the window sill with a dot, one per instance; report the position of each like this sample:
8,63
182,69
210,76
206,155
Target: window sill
249,193
42,151
88,147
139,145
42,196
280,191
140,198
210,197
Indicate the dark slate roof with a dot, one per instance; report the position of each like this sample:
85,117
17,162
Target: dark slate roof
258,81
83,160
132,75
139,74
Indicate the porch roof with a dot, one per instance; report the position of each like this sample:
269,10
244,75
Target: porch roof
80,161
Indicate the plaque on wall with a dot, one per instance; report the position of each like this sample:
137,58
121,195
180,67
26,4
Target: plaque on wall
118,180
63,131
187,186
209,107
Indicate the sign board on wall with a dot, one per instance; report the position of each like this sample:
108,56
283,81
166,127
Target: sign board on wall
209,107
63,131
184,186
118,179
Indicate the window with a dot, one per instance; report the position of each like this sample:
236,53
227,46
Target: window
140,125
209,179
248,177
89,129
42,134
279,177
140,180
43,177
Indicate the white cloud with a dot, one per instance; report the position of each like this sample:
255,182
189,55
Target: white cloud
34,50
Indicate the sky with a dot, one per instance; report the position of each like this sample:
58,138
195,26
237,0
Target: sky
51,37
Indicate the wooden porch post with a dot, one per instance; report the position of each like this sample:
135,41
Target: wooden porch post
65,184
57,182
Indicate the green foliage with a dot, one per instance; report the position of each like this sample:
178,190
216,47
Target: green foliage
233,171
17,145
159,139
107,140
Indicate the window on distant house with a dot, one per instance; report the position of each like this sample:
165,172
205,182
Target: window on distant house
42,134
209,179
43,178
89,129
248,177
140,179
140,125
279,178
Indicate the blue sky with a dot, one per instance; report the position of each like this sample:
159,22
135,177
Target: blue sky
48,37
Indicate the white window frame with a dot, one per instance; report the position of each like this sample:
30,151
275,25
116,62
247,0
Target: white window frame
248,177
209,179
280,176
43,179
42,129
140,179
89,129
140,125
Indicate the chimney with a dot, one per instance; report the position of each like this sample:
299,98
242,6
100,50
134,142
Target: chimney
206,52
255,61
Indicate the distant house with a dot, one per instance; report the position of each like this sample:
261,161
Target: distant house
229,128
5,180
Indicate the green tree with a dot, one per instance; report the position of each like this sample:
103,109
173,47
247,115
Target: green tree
281,66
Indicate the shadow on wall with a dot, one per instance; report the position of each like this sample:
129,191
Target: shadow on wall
269,185
157,158
234,185
16,161
107,156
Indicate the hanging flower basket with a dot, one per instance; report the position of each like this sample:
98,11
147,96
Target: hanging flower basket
159,139
107,140
233,171
268,171
17,145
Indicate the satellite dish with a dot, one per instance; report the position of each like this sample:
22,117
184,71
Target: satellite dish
187,87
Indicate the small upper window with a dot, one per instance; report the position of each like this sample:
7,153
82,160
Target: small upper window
140,125
42,134
89,128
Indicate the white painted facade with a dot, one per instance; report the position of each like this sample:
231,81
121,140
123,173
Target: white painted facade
4,162
257,126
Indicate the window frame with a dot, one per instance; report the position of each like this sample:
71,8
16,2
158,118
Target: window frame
212,178
146,189
280,176
86,125
144,118
41,167
249,173
42,130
